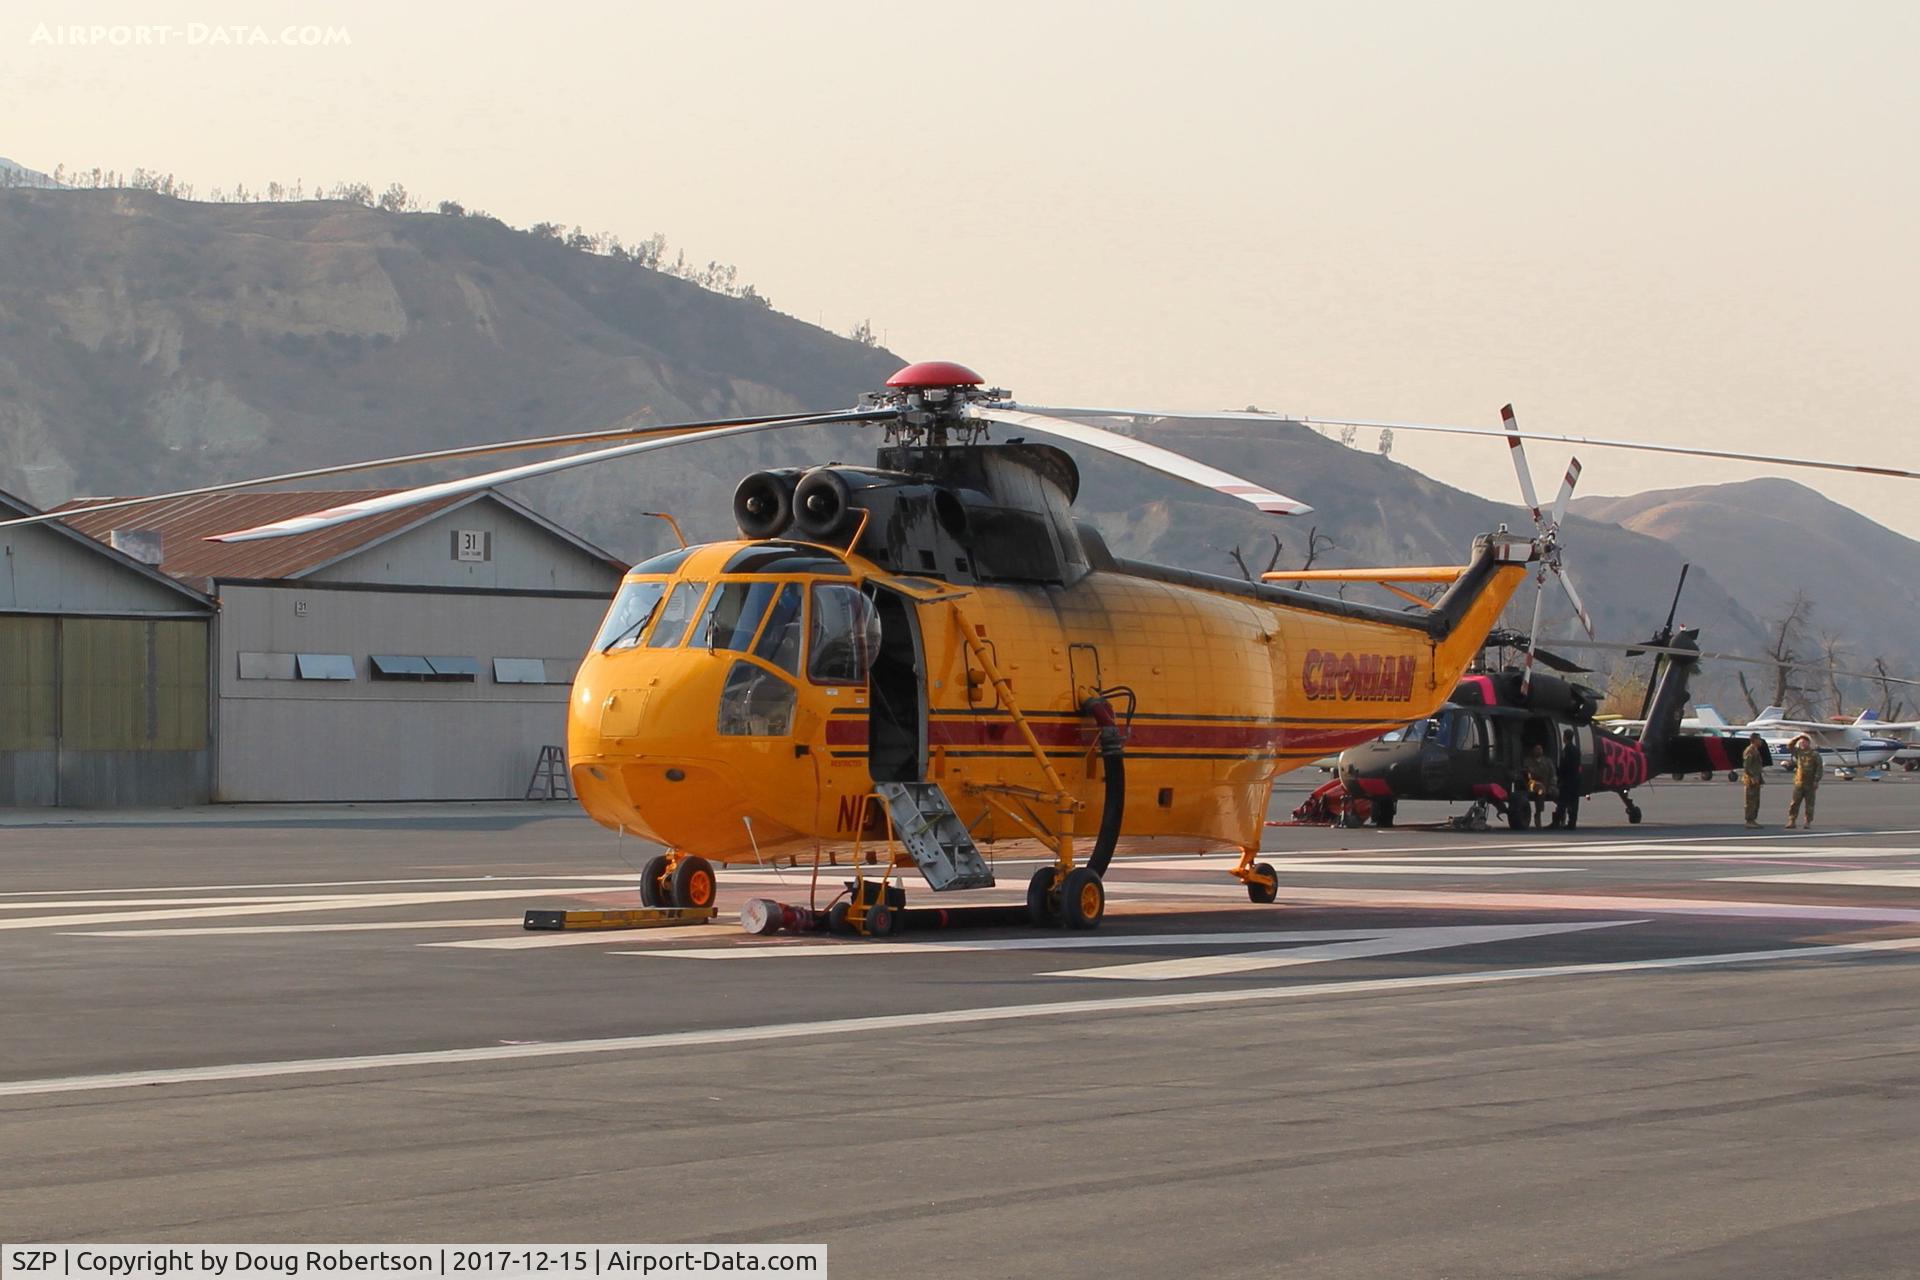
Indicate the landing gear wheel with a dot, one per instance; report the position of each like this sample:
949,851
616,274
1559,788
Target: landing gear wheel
1043,904
1083,899
881,921
1383,811
1267,892
837,920
693,884
1633,814
1519,812
653,893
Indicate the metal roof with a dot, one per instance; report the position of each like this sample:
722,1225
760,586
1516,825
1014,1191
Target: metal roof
13,506
185,524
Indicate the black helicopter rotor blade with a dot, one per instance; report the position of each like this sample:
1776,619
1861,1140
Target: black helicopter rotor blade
1574,642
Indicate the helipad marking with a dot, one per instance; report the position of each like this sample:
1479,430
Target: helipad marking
630,878
243,930
359,902
1057,942
522,941
1880,877
673,1040
1382,942
1451,899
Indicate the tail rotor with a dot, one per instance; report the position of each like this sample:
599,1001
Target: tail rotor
1547,539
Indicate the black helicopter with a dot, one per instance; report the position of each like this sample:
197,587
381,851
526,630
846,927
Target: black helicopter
1473,750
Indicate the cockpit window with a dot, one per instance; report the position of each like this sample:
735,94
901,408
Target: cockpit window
845,635
780,642
675,614
627,617
755,703
733,615
666,561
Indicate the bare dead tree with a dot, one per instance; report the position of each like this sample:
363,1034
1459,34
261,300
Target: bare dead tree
1240,560
1890,707
1753,703
1789,633
1830,647
1316,543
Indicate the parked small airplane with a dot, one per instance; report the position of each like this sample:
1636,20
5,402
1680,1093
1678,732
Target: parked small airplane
1859,745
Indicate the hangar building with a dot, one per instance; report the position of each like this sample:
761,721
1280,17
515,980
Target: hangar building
421,655
103,674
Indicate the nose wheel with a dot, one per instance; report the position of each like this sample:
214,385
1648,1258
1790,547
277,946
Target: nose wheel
678,880
1077,900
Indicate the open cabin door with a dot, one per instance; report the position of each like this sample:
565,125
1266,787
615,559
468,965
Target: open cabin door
897,694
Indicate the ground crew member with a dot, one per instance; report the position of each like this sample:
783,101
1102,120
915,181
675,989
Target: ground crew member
1539,781
1567,812
1753,761
1807,769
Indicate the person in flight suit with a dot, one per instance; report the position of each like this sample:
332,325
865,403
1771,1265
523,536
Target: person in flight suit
1752,763
1807,769
1539,780
1567,812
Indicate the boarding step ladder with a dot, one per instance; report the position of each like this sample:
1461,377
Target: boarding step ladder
549,780
933,834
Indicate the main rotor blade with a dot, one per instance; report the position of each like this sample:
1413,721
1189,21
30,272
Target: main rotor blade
1597,442
1518,452
1533,632
1566,492
472,484
1164,460
1574,642
1573,597
433,455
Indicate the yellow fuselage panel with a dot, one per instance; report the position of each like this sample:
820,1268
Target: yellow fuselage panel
1226,691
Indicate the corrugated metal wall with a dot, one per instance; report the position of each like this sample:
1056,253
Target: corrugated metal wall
103,711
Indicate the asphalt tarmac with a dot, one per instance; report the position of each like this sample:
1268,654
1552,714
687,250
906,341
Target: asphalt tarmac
1676,1049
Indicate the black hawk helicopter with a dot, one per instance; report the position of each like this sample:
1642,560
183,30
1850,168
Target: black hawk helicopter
1473,750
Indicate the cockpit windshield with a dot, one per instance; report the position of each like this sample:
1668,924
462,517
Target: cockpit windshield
844,637
675,614
628,615
733,615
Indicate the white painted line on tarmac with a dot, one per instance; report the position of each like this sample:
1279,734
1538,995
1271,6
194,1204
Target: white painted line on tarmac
630,878
774,948
69,904
360,902
669,1041
1385,942
1455,900
1383,867
244,930
1882,877
539,939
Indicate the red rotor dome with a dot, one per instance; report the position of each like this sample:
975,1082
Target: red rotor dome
935,373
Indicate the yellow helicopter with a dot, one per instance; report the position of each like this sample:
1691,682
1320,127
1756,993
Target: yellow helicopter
932,656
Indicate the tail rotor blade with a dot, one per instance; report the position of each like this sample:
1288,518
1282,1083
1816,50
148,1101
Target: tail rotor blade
1573,598
1519,452
1566,492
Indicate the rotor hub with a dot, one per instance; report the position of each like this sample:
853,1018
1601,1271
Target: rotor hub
931,398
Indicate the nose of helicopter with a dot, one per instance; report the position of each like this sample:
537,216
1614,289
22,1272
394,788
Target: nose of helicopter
1368,768
646,757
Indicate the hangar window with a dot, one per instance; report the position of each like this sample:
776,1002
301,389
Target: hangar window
519,671
325,666
534,670
755,703
406,666
267,666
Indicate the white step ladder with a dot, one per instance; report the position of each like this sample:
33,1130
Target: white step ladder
933,834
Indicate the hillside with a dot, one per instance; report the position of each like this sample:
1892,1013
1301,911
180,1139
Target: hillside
153,343
1766,539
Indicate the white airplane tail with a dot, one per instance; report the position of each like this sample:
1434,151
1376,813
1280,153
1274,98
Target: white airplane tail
1709,717
1769,715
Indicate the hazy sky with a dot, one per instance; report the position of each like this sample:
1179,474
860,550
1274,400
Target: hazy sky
1677,221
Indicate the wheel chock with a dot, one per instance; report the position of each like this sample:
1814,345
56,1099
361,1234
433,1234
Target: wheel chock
642,918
